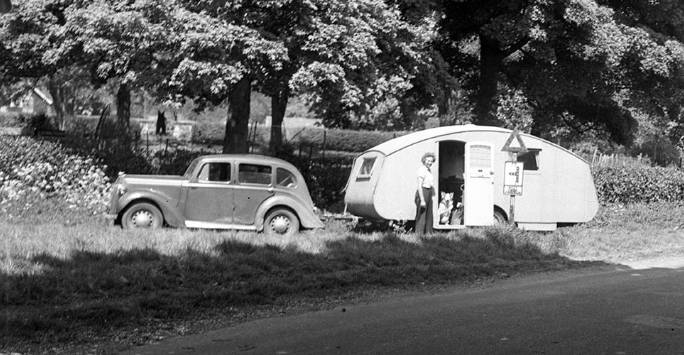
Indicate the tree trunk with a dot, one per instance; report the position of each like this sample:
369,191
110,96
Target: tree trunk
278,107
237,126
491,58
123,106
5,6
57,101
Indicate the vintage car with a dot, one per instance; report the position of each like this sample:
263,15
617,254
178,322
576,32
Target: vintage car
244,192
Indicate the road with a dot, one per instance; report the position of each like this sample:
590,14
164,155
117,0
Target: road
610,310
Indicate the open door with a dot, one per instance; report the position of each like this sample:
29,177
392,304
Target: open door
478,193
448,200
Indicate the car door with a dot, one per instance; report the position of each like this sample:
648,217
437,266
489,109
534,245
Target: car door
210,195
254,186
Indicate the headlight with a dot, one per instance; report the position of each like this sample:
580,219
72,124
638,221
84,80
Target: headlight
121,190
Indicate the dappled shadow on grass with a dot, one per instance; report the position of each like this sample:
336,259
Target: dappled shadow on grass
91,294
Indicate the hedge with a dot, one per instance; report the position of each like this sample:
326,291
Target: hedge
631,184
40,168
343,139
335,139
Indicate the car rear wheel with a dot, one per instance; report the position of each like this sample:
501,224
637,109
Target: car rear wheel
281,221
142,215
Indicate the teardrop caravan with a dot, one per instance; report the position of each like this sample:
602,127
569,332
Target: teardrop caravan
558,187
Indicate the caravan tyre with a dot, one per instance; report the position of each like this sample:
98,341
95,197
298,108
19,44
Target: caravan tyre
499,217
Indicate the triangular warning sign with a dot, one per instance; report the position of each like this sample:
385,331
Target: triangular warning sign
517,147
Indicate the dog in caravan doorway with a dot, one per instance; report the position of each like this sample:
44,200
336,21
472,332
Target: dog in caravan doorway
446,206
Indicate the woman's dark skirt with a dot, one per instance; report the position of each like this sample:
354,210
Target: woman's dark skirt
424,213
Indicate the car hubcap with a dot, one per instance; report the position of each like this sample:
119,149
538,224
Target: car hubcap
280,224
142,219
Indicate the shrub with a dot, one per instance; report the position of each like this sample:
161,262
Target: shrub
174,162
344,140
325,178
660,149
12,119
33,172
213,132
633,184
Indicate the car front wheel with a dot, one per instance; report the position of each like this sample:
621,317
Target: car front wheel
142,215
281,221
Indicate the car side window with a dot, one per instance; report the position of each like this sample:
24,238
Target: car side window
215,172
254,174
285,178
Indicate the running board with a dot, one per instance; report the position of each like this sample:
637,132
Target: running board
210,225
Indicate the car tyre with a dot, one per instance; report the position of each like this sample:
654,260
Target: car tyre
281,221
499,218
142,215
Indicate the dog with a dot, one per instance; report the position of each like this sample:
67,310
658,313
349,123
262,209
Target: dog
446,205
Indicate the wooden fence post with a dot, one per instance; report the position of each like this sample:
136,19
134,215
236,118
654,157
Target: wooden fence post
323,148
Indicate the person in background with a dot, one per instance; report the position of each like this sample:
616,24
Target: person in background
161,123
424,193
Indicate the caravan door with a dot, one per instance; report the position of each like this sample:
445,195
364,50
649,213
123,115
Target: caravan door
478,192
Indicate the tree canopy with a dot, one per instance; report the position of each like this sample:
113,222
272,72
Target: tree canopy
579,65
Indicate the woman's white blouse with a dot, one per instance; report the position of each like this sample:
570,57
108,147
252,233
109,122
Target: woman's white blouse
425,176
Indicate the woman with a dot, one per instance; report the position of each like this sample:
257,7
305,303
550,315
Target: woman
425,190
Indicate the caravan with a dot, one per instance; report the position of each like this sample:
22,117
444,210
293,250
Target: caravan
558,186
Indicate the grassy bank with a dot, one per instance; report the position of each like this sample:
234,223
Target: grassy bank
88,285
626,232
84,284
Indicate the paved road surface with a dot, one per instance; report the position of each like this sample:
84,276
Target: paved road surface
613,310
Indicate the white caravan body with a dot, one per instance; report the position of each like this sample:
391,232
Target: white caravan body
558,187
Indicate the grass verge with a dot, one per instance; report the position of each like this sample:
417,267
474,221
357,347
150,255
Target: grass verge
86,284
622,233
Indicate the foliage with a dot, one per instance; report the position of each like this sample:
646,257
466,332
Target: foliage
35,122
359,55
325,178
660,150
581,64
34,171
13,119
208,132
343,139
632,184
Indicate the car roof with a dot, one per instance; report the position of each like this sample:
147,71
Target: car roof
252,158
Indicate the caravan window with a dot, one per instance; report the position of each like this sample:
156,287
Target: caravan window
530,159
366,168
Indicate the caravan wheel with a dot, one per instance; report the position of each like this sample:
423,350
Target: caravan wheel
499,217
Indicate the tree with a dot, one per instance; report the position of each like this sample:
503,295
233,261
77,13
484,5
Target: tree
211,58
572,59
362,54
111,40
5,6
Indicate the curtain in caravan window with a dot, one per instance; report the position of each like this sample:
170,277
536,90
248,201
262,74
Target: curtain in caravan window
480,156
